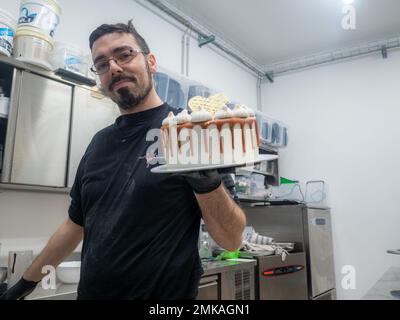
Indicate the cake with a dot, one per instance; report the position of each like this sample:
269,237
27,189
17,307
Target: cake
202,138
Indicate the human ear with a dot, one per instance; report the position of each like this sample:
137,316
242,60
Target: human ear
152,62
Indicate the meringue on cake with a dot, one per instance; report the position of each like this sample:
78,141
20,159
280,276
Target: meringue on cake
199,138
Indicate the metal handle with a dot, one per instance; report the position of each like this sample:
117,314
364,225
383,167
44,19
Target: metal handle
208,285
260,204
208,279
13,266
394,251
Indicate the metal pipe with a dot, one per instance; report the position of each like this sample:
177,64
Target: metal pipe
259,96
334,56
188,52
183,53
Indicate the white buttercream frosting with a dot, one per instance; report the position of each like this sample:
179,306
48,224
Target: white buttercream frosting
223,113
201,115
183,117
170,120
249,110
239,112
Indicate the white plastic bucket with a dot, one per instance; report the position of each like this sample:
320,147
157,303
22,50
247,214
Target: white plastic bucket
70,57
43,15
7,32
33,47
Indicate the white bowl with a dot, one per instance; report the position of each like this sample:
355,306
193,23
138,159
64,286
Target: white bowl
69,272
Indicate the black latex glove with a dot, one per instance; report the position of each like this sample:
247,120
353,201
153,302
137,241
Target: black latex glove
20,290
208,180
203,181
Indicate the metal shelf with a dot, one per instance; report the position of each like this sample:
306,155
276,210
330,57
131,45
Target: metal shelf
32,188
34,69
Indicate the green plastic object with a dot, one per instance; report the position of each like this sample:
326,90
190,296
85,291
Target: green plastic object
228,255
288,181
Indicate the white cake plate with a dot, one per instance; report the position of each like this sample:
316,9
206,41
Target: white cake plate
177,168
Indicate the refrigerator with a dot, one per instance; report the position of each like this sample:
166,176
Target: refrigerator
310,229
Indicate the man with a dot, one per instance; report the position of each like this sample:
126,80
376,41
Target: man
140,230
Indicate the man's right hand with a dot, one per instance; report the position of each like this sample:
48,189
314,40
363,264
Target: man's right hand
20,290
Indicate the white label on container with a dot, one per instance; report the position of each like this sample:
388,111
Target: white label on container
39,16
6,39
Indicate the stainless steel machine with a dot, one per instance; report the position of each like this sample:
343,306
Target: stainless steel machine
310,229
227,280
278,279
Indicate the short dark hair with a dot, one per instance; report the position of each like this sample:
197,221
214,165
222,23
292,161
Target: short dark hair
119,28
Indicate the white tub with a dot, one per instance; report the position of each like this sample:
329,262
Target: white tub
33,48
43,15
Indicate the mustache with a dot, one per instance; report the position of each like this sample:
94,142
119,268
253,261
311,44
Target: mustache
120,78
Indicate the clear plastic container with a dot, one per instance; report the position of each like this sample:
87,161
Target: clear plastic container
205,251
197,90
276,135
264,128
70,57
161,84
315,192
90,74
170,90
243,184
289,191
257,187
272,132
284,137
177,90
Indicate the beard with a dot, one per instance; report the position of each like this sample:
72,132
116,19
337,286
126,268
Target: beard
127,98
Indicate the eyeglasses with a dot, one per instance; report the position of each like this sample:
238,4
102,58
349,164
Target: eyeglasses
121,58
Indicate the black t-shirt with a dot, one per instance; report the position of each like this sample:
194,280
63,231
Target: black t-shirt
140,228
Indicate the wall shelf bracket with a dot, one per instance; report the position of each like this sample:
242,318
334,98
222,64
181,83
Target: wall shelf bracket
203,40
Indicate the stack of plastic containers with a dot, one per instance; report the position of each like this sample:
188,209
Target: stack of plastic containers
272,132
33,42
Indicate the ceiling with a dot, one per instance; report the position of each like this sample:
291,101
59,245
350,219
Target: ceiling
271,31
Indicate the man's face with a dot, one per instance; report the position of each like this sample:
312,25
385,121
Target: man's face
128,84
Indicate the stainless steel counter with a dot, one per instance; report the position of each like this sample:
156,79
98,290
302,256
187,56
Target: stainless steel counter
32,68
69,291
62,292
